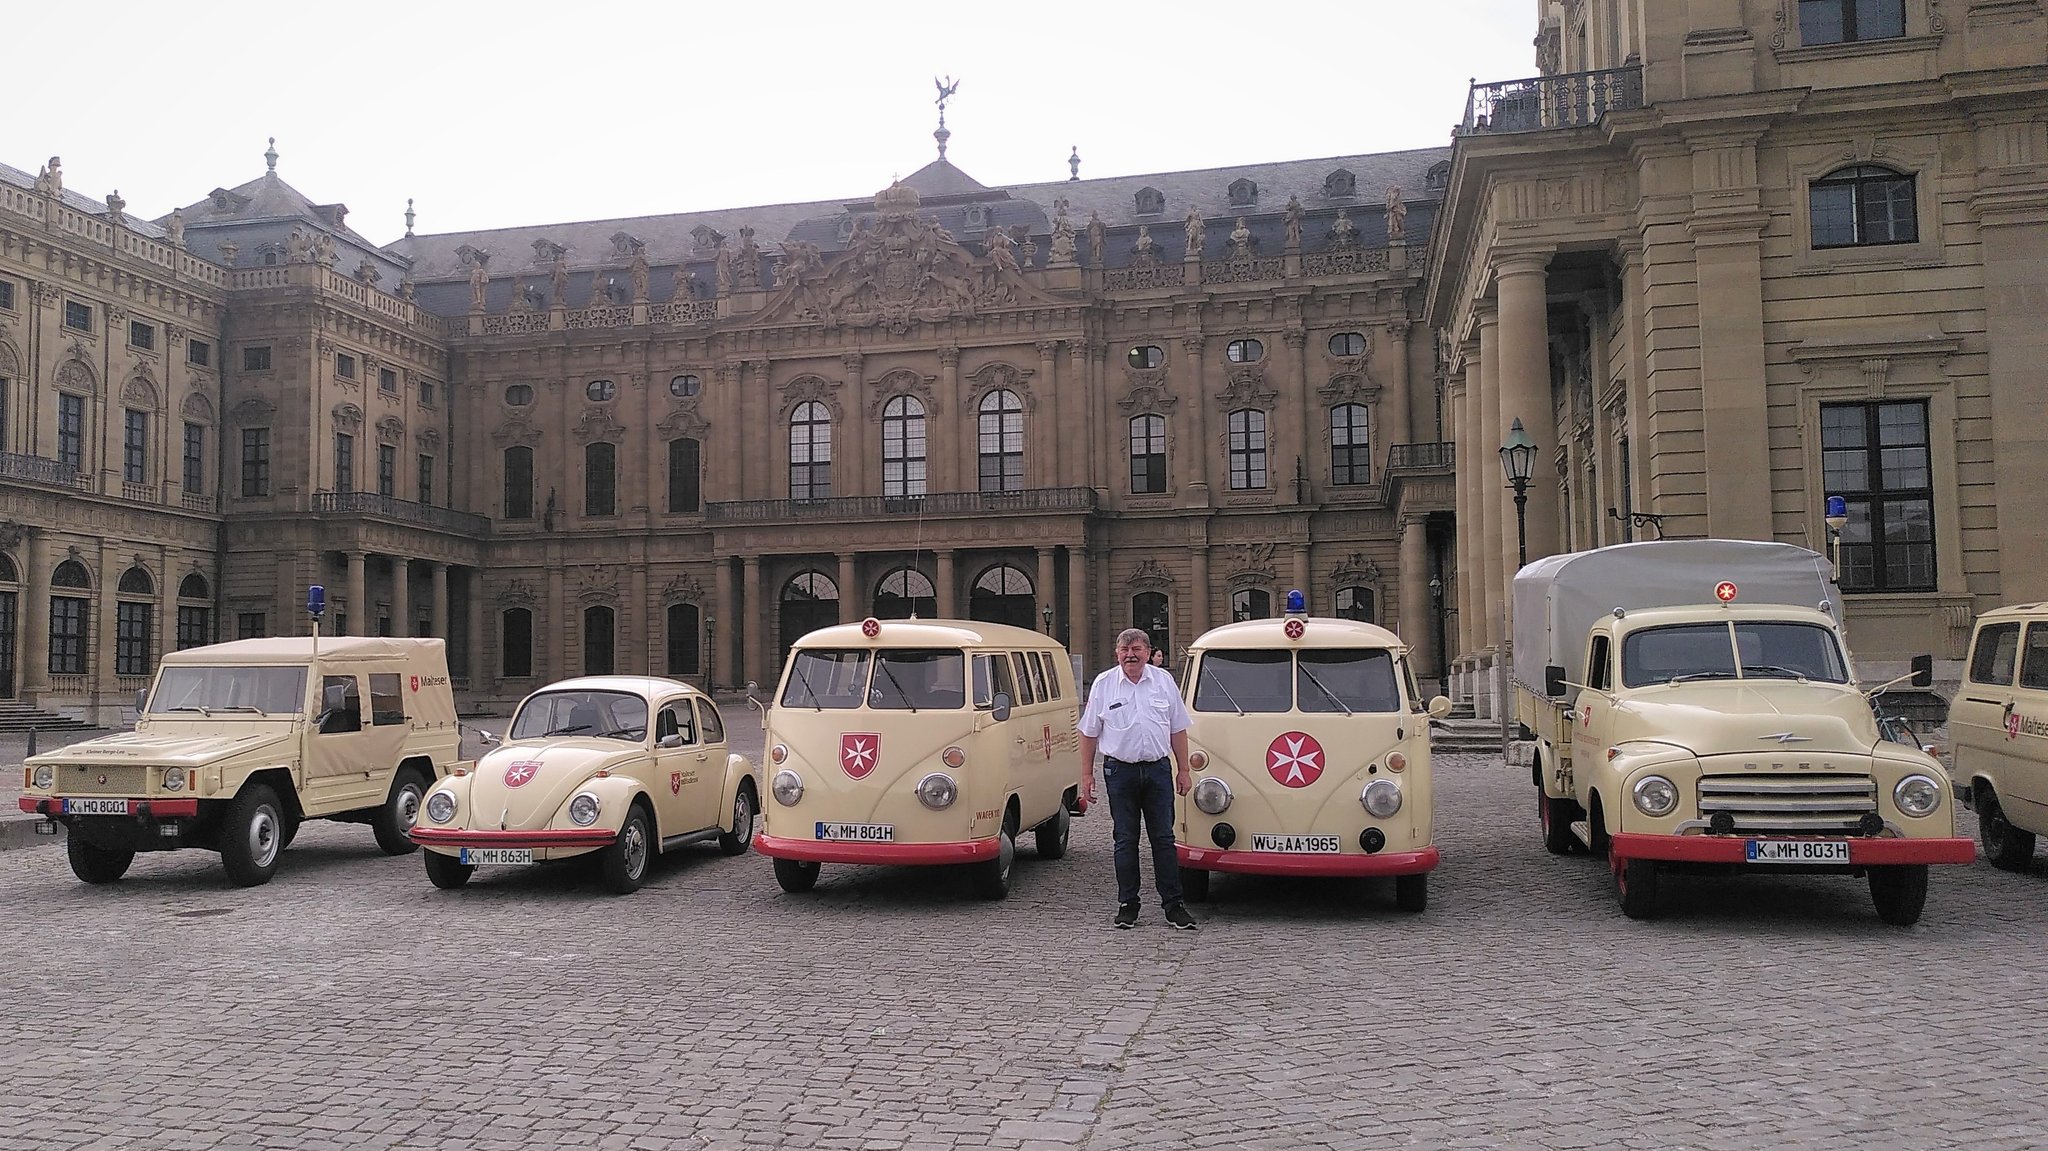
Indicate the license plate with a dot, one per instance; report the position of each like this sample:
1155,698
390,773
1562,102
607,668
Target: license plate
476,855
95,807
1297,844
1798,851
857,832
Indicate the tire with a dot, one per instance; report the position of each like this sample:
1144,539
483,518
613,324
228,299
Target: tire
624,862
744,808
289,831
1556,815
1053,834
401,809
447,872
1194,884
2005,846
1635,882
95,864
991,877
1900,892
252,836
796,875
1411,892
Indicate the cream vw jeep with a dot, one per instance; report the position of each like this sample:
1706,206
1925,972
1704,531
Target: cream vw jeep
239,742
584,771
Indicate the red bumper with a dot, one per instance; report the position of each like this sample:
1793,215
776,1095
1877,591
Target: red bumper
1871,852
53,806
912,854
1277,863
546,837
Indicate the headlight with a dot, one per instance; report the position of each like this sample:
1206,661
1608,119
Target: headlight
1212,796
174,779
788,787
1917,795
1656,795
583,809
1382,798
937,791
440,807
46,777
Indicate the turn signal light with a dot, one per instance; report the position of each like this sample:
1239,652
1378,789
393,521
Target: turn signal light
1397,762
953,757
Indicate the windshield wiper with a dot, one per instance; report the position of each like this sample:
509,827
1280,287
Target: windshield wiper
1714,674
571,729
240,707
810,692
1218,681
1325,690
198,707
883,664
1774,670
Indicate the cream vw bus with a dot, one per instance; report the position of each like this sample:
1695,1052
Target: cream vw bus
1310,752
1998,725
920,742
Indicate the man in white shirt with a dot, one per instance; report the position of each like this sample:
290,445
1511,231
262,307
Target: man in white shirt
1136,718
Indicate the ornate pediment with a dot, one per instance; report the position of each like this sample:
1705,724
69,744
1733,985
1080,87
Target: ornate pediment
989,377
1150,576
598,584
197,408
1246,388
1356,569
1150,396
805,388
683,589
140,390
390,430
517,429
348,419
1252,566
253,411
76,374
903,382
517,593
683,421
1349,388
597,424
430,441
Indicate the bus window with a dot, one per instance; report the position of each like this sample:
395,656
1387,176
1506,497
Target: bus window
1037,662
1052,675
913,678
1346,679
992,676
1024,693
1248,680
826,678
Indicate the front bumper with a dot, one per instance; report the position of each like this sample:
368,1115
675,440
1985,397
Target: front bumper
1733,849
452,838
910,854
52,806
1278,863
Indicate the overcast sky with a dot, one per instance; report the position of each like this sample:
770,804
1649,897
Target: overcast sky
491,115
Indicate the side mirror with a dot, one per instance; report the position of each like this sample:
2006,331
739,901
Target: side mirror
1923,671
1553,681
487,738
1439,707
1001,710
669,741
141,699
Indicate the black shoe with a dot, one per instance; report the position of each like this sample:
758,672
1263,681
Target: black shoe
1177,915
1127,916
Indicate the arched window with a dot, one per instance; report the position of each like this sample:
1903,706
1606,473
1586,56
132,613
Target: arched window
903,447
1148,455
1003,594
1149,614
685,466
1355,603
1350,445
810,452
70,618
194,587
682,639
136,581
515,652
70,573
1247,449
8,574
1863,205
195,620
1001,442
904,593
597,640
809,601
134,620
1250,603
519,483
600,479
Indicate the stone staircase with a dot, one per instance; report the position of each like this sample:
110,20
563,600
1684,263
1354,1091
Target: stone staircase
1460,733
16,716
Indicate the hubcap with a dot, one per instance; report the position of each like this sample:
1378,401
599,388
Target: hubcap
263,836
742,817
408,806
635,848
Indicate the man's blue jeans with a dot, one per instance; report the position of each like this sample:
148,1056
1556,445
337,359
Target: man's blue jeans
1143,789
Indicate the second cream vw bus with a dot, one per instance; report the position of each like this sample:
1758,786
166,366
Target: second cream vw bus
920,742
1310,753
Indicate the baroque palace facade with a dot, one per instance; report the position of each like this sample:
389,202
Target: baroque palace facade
1719,259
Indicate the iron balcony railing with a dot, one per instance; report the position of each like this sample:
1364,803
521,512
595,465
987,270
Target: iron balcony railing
890,507
1402,457
405,511
37,469
1540,103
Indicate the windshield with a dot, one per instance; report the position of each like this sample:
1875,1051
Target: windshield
603,714
1747,649
823,677
917,678
1346,679
205,691
1249,680
887,679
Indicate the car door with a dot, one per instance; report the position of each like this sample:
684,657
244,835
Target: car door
2028,750
1977,717
678,763
711,737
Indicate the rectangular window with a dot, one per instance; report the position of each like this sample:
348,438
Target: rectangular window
426,479
1997,650
2034,658
1863,206
195,458
1350,445
131,638
194,624
6,295
387,470
199,352
344,366
600,479
135,447
1850,21
67,635
387,702
1875,456
255,461
387,381
344,462
684,460
3,413
70,430
141,335
251,625
1247,449
1148,455
519,483
426,393
256,359
77,316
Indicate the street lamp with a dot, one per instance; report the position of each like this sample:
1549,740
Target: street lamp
1517,459
1046,614
1837,518
710,649
1436,598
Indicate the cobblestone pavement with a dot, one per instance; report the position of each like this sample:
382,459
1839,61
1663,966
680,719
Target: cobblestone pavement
348,1004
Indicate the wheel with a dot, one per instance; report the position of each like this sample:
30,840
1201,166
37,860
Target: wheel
1411,892
796,875
624,862
992,876
735,842
400,811
95,864
1635,881
2005,846
1052,835
1900,892
252,836
288,832
1194,884
1556,815
447,872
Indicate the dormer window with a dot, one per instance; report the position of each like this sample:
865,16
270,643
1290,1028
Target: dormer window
1340,184
220,201
704,237
1151,201
1439,176
846,223
977,217
1243,193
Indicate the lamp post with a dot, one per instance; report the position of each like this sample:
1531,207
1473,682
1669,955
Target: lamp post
1517,459
1837,518
1045,613
710,650
1436,599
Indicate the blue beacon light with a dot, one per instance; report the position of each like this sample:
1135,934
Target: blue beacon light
1297,604
316,600
1837,507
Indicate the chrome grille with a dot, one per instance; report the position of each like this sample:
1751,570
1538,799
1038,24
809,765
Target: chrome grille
73,779
1789,804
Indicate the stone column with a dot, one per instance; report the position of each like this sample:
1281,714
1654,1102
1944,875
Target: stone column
1458,396
101,683
1733,399
473,643
1194,388
289,600
756,479
1301,580
1198,594
1525,394
1101,413
1052,438
943,468
1415,625
949,598
358,596
35,618
849,606
401,596
1077,637
757,617
724,468
1390,363
853,461
1493,499
638,620
1311,406
1046,584
558,623
439,622
2011,218
1085,414
727,652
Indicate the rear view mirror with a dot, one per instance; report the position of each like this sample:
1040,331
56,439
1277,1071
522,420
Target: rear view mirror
141,699
1923,671
1553,681
1440,707
669,741
1001,710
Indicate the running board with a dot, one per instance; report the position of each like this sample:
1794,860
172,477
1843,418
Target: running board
689,837
1582,830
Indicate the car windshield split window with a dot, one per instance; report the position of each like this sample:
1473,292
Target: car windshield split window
1315,680
247,690
1745,649
599,714
827,678
913,678
1249,680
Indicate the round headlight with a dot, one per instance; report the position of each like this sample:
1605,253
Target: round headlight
1656,795
778,753
937,791
1198,760
583,810
1917,795
788,787
46,778
954,758
440,807
1397,762
174,779
1382,798
1212,796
